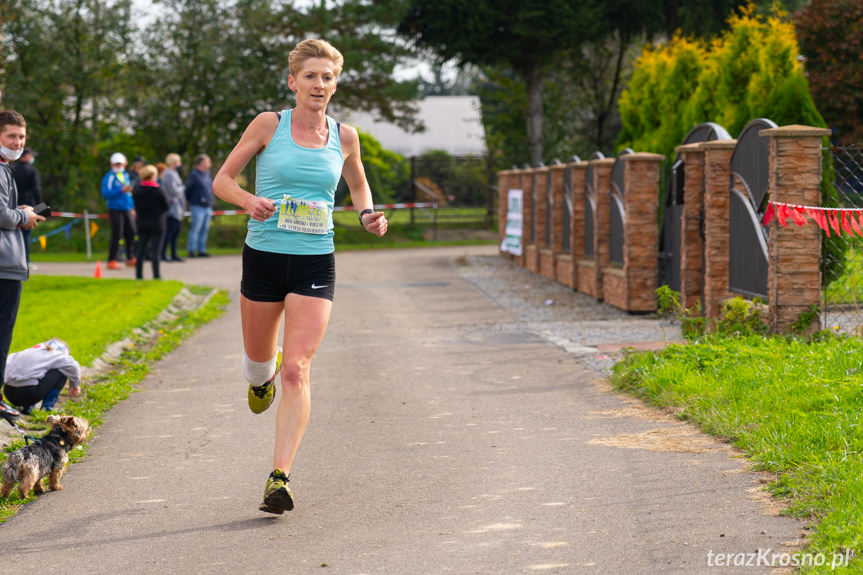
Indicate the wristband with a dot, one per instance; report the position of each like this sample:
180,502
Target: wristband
364,212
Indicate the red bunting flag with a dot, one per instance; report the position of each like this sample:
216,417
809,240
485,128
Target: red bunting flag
769,214
846,227
797,215
855,225
819,218
831,220
834,221
782,214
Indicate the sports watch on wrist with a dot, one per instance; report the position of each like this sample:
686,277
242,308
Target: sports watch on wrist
364,212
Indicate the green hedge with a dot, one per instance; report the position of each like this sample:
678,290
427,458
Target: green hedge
750,71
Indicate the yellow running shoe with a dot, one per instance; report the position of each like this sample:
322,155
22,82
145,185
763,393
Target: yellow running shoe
277,494
261,396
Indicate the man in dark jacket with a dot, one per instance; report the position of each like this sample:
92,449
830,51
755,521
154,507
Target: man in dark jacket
199,194
13,219
29,188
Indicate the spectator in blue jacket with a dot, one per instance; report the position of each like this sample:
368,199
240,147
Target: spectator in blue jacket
199,195
117,190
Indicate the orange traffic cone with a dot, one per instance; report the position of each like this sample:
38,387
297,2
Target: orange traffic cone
98,273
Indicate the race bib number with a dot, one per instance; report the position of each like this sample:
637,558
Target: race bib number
303,216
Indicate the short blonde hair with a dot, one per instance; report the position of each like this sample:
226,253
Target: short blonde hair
314,48
172,159
148,172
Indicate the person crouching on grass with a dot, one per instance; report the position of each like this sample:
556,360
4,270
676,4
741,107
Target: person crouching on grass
151,206
40,373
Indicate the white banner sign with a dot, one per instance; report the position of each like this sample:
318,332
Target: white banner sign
512,242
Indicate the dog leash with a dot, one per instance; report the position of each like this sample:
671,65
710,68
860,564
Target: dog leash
27,438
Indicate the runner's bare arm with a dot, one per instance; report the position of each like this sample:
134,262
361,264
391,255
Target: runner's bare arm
253,141
355,176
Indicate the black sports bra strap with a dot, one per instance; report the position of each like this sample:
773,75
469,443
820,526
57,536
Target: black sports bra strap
279,114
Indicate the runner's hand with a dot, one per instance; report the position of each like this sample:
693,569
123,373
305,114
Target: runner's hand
375,223
261,208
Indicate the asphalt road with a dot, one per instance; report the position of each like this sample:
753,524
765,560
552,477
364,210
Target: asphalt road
442,440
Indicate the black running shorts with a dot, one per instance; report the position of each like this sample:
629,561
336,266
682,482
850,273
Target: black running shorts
271,277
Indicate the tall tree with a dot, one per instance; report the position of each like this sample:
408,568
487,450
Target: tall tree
64,60
525,35
211,65
829,33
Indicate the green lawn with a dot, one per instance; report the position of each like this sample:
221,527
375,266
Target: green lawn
88,314
793,407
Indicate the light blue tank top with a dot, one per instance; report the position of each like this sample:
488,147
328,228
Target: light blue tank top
305,175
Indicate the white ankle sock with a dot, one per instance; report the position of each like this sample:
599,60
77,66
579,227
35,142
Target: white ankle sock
258,373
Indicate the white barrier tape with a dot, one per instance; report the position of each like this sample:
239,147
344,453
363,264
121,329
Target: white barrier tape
243,212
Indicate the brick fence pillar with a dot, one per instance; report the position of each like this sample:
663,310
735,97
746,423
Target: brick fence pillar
717,174
691,243
562,268
544,256
794,253
527,215
601,231
576,228
633,288
641,242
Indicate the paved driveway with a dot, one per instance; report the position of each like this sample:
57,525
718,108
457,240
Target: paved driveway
443,439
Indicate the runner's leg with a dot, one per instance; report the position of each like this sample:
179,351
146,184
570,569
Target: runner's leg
306,320
260,321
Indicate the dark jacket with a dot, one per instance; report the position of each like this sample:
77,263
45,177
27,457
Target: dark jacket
27,180
150,205
199,188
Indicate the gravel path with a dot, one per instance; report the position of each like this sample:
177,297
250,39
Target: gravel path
596,333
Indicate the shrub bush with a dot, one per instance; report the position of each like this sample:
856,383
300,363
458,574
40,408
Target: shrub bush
750,71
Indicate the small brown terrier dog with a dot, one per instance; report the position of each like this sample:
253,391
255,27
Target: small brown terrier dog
49,455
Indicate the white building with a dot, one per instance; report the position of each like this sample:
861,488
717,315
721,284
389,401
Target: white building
452,123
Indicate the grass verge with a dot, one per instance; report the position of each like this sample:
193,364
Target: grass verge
103,392
86,313
793,407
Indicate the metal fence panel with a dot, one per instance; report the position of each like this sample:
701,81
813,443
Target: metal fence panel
747,248
747,266
842,257
617,216
616,219
589,208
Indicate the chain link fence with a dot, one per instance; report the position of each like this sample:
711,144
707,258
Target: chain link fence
842,256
